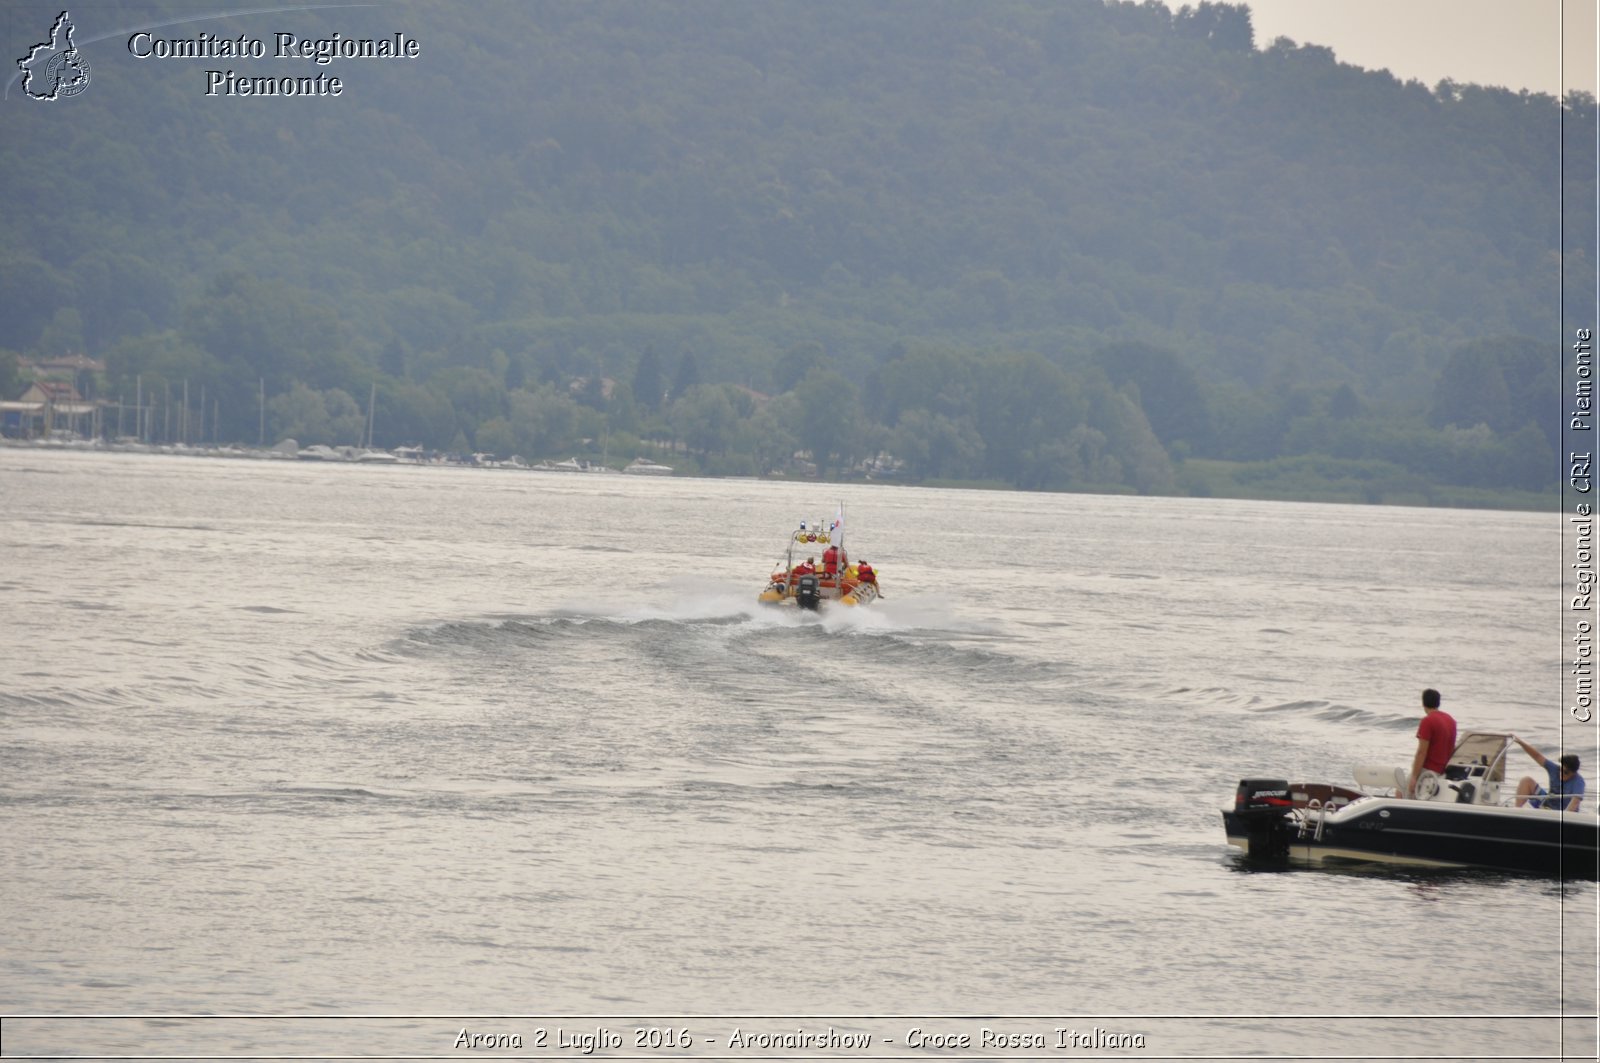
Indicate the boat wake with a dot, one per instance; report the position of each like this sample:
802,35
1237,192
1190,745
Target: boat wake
693,603
690,629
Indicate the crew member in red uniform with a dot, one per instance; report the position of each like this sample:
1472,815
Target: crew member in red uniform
830,561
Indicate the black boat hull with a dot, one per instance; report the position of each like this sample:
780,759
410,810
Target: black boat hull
1423,834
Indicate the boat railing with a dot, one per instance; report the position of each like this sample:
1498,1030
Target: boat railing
1311,817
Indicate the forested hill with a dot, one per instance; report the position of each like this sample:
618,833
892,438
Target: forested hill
1057,243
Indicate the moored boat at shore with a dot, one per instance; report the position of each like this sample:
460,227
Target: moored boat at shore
645,467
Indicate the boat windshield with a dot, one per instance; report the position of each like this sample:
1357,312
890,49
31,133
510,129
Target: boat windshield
1479,748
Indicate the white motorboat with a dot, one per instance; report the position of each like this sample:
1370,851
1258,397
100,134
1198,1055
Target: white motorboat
643,467
1465,818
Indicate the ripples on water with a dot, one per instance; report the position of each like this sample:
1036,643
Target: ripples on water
320,739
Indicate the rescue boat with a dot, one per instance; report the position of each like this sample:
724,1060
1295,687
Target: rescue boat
816,570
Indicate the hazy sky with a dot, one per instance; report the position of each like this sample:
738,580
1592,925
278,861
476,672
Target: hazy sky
1513,43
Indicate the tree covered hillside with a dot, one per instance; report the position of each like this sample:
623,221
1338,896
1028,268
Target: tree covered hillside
1055,243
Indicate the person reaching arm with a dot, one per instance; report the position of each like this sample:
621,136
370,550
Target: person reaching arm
1566,789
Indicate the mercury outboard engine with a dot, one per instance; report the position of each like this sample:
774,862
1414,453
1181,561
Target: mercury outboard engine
807,592
1260,806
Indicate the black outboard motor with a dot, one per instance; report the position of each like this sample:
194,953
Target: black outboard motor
1260,806
808,592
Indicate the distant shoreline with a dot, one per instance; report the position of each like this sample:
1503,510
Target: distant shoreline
1208,478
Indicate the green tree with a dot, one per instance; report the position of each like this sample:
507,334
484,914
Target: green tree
544,420
1225,26
122,294
31,291
1144,461
1167,389
1248,425
1504,382
425,318
10,379
592,389
1526,461
265,329
939,380
156,361
331,417
1023,403
393,359
622,412
687,377
648,388
768,434
1471,389
705,419
477,395
1088,459
1345,404
410,414
796,362
495,436
935,446
828,412
64,334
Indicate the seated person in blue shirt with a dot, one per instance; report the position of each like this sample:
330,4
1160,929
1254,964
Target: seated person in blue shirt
1566,785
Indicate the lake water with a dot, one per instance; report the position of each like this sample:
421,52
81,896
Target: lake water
352,759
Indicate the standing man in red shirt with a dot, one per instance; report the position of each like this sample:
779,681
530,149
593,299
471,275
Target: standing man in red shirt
1436,740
